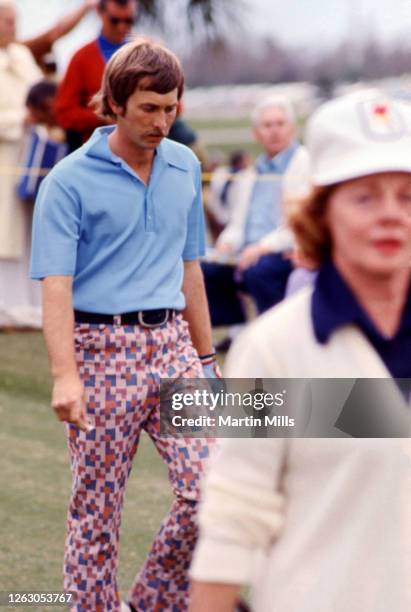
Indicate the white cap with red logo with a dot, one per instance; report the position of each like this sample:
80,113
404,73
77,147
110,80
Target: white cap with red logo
358,134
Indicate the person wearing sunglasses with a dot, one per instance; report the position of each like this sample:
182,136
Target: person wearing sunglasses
85,71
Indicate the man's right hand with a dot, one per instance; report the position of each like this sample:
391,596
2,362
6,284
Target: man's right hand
91,4
251,254
68,401
224,248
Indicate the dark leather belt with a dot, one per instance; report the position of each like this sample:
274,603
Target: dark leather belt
145,318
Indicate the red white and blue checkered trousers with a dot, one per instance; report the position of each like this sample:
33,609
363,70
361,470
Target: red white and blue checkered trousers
121,367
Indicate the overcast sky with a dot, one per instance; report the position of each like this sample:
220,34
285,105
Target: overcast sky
324,21
313,23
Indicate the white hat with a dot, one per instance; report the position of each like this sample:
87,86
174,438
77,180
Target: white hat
358,134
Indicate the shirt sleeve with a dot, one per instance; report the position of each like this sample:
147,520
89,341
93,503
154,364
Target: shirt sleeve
242,509
279,240
56,229
195,241
242,504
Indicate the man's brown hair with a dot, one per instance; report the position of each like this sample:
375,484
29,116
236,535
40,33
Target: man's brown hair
141,64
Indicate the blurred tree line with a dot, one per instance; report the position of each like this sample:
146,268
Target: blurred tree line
209,17
253,60
220,51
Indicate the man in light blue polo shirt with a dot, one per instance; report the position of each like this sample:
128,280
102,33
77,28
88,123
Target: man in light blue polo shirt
118,229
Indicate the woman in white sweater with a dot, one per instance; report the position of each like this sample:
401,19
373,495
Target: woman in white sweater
324,525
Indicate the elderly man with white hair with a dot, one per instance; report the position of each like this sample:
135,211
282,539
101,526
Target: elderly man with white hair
18,71
255,234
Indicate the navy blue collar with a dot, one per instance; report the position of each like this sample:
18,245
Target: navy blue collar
335,305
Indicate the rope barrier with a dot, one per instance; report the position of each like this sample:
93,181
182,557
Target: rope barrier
21,171
206,176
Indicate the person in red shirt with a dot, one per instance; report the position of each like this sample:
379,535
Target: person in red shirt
85,71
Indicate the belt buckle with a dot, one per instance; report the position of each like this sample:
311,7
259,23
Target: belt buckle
140,318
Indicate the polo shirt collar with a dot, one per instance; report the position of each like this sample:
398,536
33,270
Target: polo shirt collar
334,305
98,147
173,153
278,163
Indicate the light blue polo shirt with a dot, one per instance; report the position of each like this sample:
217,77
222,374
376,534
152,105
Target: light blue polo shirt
123,242
265,208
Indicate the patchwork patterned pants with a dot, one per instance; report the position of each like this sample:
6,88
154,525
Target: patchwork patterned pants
121,367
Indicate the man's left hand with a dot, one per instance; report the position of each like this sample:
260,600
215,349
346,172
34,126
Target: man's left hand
250,255
211,369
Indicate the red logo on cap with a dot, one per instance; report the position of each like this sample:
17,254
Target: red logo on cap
382,120
381,110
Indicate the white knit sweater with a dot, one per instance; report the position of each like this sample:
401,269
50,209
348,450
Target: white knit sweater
315,525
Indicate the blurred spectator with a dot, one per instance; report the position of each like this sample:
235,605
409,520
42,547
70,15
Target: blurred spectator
85,71
182,132
41,45
18,71
215,159
218,203
257,215
45,141
40,103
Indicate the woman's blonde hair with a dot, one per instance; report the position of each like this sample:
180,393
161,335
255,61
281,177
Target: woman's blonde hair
307,218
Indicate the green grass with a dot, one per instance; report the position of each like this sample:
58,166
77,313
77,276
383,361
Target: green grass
247,144
219,122
224,123
35,479
23,366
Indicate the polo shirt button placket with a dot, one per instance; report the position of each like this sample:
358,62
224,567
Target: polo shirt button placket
149,212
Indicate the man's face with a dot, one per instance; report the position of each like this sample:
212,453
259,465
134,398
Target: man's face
148,117
274,130
7,25
118,20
